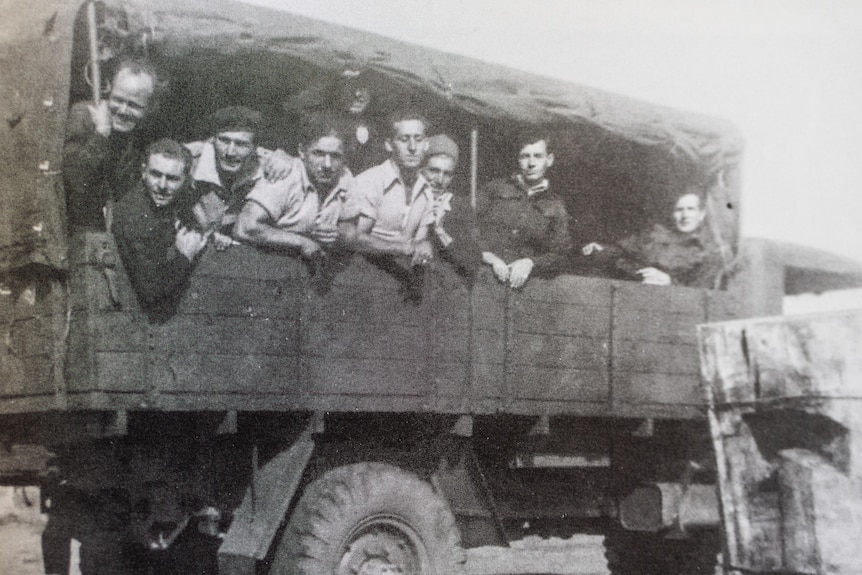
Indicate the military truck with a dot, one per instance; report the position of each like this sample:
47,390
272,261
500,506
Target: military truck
349,430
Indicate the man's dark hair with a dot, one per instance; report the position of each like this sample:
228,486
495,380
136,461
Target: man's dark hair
322,124
173,150
531,136
404,115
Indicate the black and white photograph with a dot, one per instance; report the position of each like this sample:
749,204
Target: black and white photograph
453,287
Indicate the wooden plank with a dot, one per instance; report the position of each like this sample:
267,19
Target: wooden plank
205,373
530,382
250,263
240,297
631,296
364,341
121,372
657,325
224,335
649,357
453,346
805,357
582,353
488,347
32,336
450,379
361,305
576,290
638,388
540,317
389,378
821,506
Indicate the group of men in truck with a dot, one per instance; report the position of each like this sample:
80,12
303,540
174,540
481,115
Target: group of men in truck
165,201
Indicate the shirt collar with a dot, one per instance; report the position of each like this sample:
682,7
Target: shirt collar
338,191
392,176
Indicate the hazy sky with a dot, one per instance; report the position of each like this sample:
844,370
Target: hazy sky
787,73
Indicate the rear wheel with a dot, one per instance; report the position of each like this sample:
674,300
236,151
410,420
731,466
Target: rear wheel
370,519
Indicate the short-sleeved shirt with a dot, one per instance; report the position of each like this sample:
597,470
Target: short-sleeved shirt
382,196
294,204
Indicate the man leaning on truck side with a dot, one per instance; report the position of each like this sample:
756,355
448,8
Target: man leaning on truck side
302,212
157,248
104,143
226,167
685,253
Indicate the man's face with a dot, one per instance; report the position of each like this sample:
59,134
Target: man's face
233,149
438,171
688,213
359,101
534,160
324,161
164,177
128,100
408,144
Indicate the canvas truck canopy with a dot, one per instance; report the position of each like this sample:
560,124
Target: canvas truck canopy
624,158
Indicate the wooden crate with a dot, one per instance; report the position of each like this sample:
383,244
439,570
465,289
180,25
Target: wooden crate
785,397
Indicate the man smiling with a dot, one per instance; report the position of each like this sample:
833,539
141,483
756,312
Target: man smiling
104,143
228,165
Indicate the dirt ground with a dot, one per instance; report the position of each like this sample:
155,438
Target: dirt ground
21,526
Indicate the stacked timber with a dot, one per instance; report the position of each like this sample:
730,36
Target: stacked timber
785,406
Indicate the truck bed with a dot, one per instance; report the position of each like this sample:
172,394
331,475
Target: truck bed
253,333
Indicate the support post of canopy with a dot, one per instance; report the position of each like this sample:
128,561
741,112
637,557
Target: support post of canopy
474,165
95,72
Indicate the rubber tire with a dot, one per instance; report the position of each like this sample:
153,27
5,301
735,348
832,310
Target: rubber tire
632,553
363,496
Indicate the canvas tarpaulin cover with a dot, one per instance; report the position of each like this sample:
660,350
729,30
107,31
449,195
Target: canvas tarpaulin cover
40,32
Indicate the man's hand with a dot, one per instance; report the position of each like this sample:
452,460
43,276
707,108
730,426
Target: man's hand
423,253
500,268
591,248
101,116
190,243
654,276
324,235
310,249
223,242
278,166
519,271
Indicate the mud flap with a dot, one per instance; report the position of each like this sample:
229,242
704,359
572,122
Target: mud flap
264,506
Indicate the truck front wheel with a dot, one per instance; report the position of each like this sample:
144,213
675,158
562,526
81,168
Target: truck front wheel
370,519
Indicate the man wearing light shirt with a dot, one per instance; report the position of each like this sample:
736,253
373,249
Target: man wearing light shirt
393,198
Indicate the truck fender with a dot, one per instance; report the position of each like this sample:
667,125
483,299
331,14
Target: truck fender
265,505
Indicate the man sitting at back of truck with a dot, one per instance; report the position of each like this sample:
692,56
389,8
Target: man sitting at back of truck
302,212
685,254
104,144
227,166
156,246
522,221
